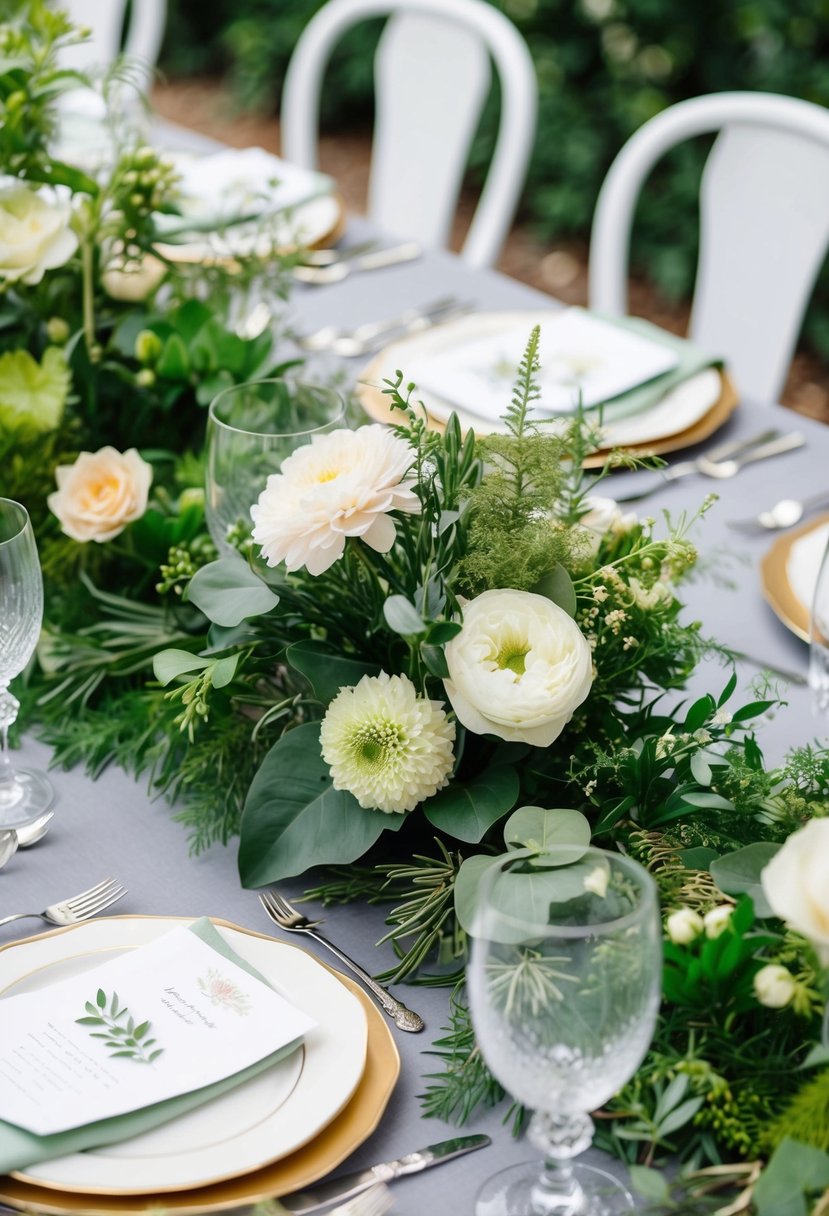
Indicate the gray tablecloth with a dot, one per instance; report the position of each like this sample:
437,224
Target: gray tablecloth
111,827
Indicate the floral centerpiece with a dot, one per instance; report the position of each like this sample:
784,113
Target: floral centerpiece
434,648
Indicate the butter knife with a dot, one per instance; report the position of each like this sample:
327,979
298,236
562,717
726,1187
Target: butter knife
348,1185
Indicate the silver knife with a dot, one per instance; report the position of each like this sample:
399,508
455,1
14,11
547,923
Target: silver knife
344,1187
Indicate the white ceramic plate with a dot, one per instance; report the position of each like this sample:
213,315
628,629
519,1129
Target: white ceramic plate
676,412
803,563
247,1128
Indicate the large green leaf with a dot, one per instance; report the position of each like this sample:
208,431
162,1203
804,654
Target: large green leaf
294,818
467,882
169,664
535,827
327,672
467,810
738,873
558,587
794,1171
228,592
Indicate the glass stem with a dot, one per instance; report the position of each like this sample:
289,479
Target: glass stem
560,1138
9,706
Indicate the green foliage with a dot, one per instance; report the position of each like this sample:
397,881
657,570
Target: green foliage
119,1032
795,1172
806,1118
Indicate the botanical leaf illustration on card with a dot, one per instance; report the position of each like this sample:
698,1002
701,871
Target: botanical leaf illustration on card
222,991
115,1025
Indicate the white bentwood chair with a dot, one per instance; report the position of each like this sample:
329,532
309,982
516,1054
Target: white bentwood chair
764,225
432,76
105,18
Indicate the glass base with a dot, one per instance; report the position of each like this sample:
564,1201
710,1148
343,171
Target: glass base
518,1191
25,798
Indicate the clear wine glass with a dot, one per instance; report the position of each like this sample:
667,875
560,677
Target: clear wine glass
251,428
24,793
819,641
564,988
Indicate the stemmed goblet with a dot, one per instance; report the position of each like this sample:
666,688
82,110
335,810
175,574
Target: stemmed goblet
564,989
24,793
251,428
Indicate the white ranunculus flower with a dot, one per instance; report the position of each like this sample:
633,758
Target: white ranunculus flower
684,926
386,745
717,920
341,484
796,883
101,493
774,986
519,667
34,235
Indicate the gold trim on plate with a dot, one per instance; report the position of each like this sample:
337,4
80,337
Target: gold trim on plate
774,579
376,405
345,1133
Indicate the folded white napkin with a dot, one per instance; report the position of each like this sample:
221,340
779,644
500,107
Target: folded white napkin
582,356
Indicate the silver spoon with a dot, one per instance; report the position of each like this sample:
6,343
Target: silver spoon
33,832
784,514
8,845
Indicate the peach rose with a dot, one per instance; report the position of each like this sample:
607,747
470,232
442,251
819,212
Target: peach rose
101,493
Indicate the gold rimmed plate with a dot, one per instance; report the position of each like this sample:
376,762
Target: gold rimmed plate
783,596
688,414
332,1143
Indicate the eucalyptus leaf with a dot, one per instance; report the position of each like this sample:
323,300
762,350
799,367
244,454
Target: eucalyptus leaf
224,670
228,592
402,616
794,1171
467,882
540,829
327,672
649,1183
558,587
701,769
739,873
169,664
466,810
435,661
294,818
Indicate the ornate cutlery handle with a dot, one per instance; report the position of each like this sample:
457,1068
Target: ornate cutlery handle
402,1017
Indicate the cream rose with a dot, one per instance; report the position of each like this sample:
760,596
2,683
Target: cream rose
34,235
796,883
101,493
519,667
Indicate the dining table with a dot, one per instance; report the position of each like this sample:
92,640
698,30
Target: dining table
115,826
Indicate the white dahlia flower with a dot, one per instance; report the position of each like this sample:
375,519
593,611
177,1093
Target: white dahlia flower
386,745
341,484
519,667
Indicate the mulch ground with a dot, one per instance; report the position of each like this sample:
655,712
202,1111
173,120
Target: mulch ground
559,269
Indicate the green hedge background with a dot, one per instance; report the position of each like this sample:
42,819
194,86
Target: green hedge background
604,68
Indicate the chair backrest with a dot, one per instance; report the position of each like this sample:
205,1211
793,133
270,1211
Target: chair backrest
764,225
432,75
105,18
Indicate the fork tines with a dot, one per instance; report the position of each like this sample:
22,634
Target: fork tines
97,898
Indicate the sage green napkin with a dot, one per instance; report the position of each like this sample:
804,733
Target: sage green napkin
19,1148
645,396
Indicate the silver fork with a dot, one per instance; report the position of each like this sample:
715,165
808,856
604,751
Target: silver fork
288,918
76,908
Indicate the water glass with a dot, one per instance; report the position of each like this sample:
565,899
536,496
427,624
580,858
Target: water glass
251,428
564,989
24,793
819,641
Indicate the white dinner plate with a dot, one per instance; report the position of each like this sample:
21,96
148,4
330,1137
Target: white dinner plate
678,410
253,1125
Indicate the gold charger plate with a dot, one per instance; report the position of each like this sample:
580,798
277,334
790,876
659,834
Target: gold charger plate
376,405
324,1153
774,579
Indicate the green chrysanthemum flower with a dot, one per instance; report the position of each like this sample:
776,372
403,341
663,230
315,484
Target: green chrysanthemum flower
33,394
386,745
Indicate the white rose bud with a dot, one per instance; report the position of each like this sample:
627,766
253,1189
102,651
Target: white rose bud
774,986
684,926
519,667
717,920
796,883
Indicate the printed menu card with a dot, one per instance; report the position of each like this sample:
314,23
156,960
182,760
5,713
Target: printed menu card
167,1019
